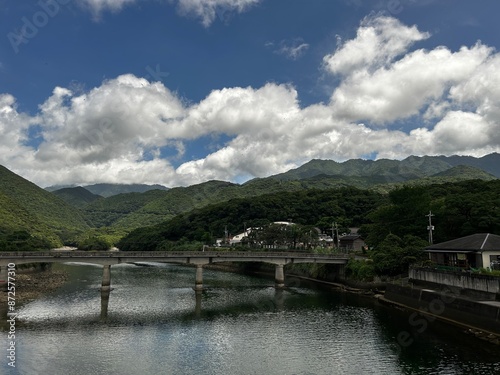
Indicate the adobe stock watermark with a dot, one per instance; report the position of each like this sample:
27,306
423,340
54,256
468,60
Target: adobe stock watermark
397,6
419,320
31,25
11,314
156,74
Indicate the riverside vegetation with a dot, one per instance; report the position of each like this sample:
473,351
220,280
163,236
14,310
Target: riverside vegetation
386,199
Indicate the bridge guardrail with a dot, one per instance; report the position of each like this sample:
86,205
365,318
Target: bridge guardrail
164,254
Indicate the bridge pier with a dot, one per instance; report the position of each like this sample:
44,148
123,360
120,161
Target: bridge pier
106,278
279,276
279,299
341,272
199,277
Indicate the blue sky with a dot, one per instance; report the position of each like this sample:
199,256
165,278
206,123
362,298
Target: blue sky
178,92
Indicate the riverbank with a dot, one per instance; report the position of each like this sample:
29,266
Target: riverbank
31,284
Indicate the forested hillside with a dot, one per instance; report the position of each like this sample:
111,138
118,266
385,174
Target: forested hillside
76,196
460,209
32,216
347,206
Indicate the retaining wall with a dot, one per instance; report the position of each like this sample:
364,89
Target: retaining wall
449,305
474,285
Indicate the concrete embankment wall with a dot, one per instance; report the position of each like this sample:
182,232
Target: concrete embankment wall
446,304
471,285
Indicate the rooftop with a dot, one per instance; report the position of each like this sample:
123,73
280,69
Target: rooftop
474,242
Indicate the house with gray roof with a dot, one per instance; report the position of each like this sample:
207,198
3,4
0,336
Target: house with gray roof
476,251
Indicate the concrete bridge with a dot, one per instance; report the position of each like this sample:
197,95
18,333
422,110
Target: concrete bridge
197,258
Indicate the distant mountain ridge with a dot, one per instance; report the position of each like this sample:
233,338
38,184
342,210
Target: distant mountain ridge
108,190
77,196
413,167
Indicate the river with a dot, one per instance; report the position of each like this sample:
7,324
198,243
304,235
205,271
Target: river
156,324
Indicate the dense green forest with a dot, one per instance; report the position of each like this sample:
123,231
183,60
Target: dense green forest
460,209
32,218
347,206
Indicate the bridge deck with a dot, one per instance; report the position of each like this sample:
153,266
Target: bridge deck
197,257
166,254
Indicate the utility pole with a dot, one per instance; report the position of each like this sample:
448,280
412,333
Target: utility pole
246,234
430,227
335,229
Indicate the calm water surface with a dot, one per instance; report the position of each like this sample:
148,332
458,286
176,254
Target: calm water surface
156,324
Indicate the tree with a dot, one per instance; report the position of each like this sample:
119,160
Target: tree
394,255
94,243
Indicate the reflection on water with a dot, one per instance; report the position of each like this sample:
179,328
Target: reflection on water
153,322
104,304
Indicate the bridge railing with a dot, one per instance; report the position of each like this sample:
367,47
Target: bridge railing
164,254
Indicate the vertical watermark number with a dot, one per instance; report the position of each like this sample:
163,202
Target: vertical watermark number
11,314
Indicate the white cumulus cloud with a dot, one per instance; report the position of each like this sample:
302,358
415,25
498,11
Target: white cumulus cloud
116,132
378,42
404,87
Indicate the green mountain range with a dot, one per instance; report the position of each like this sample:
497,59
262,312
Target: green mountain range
134,210
108,190
61,216
411,168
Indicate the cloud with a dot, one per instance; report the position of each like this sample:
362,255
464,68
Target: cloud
13,129
118,131
403,88
291,49
461,131
95,126
99,6
379,40
208,10
481,89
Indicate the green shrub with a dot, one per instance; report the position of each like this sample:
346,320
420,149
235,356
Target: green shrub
362,270
94,243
